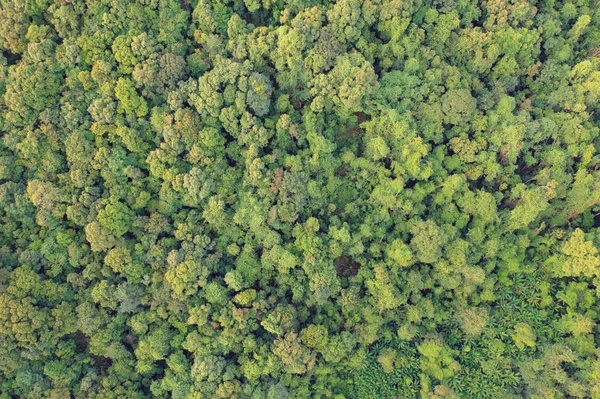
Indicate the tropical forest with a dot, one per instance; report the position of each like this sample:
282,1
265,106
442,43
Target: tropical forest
296,199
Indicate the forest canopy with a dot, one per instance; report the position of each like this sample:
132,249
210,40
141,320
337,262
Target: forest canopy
290,199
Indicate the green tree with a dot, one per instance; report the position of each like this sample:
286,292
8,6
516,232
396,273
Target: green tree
129,100
428,241
524,335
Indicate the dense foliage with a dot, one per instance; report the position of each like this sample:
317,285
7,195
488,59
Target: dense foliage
271,199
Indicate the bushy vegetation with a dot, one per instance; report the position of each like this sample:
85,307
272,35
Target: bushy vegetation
269,199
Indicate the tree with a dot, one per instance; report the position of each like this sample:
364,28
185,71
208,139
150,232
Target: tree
524,335
280,321
458,106
208,368
129,100
259,94
347,87
338,347
99,238
530,205
386,359
383,291
473,320
399,254
576,257
116,218
314,336
437,359
13,38
296,358
428,241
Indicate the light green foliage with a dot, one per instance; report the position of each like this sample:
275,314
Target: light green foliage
314,336
118,259
428,241
116,218
129,99
437,360
576,257
386,359
474,320
529,207
123,54
377,148
296,358
347,85
523,336
259,94
338,347
458,106
99,238
385,294
399,254
246,297
279,321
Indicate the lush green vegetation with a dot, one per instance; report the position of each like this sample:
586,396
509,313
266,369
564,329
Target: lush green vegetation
271,199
